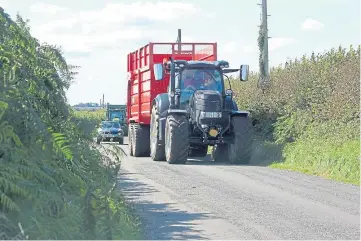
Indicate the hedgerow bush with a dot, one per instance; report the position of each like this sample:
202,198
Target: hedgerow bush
55,183
312,112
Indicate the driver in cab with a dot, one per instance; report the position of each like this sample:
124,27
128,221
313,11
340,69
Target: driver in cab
193,80
198,80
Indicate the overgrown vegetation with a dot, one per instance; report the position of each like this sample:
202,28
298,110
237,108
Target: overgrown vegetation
55,183
311,113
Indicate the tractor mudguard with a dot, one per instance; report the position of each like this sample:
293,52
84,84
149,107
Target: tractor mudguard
162,102
243,113
230,103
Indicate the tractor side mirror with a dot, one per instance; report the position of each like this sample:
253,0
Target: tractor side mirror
158,71
244,72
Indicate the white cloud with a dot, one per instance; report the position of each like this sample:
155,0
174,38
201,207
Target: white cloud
232,47
276,43
86,43
51,26
109,25
248,49
120,13
45,8
311,25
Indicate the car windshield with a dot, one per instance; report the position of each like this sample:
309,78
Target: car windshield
199,79
116,114
106,125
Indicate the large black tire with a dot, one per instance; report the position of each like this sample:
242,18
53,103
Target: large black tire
140,140
157,151
121,141
130,140
198,151
99,140
176,139
241,151
220,153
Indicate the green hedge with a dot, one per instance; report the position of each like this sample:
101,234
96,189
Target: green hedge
311,112
54,181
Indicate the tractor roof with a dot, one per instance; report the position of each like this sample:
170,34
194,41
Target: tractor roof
201,64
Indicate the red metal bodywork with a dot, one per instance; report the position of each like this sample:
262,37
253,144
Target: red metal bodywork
143,88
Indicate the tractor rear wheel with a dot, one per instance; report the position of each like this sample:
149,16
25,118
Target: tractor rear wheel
157,152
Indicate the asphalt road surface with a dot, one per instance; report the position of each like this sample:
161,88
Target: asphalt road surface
204,200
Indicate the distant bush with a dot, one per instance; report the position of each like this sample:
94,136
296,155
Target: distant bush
311,111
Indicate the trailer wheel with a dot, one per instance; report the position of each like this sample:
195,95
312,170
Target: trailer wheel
130,140
157,152
141,140
176,139
241,151
220,153
198,151
121,141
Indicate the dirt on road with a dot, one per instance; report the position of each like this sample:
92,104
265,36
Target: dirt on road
205,200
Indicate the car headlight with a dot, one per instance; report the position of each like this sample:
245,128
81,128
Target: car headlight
211,114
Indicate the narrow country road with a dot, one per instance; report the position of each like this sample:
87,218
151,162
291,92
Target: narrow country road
204,200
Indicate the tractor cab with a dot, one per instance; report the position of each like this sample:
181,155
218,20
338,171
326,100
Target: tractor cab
190,76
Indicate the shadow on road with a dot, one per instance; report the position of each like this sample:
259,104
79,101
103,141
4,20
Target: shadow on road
162,222
263,154
205,161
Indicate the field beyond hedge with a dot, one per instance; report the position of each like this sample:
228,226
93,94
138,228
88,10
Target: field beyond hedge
309,119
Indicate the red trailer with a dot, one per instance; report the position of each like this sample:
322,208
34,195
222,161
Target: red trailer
143,88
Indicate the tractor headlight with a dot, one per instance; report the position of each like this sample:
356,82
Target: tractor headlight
211,114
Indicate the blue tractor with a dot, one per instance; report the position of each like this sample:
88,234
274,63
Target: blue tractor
197,112
117,113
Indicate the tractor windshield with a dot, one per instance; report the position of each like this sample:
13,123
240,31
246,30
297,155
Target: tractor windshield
199,79
116,114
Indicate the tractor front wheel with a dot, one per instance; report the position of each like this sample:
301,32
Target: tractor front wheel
176,139
240,152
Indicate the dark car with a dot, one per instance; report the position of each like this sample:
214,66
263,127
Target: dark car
110,131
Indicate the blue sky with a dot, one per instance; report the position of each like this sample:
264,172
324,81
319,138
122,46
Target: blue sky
98,35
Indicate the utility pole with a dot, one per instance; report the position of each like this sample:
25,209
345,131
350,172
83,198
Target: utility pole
103,102
179,40
264,80
265,27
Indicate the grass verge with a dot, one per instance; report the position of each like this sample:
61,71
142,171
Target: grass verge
325,158
328,157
